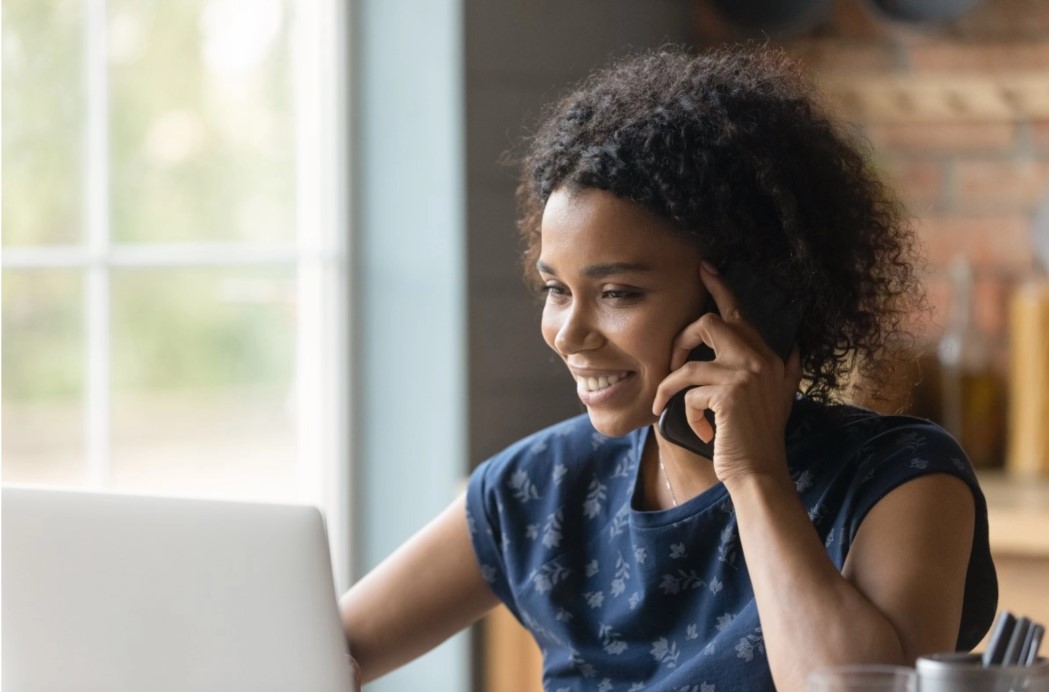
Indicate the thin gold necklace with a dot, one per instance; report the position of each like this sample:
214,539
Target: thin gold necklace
666,476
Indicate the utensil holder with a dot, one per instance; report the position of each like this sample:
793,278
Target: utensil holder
962,672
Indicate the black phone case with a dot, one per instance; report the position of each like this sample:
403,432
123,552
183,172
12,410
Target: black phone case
764,305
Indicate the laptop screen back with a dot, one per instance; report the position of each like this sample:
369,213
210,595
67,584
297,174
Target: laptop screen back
119,593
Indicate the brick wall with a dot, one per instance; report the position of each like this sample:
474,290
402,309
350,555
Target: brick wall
958,117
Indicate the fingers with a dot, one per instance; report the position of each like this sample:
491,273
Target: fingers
738,345
738,349
696,404
725,332
691,374
701,330
691,337
724,298
746,384
707,379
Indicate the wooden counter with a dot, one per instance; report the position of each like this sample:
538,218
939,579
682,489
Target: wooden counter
1018,518
1018,514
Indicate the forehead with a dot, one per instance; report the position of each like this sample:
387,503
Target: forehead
596,225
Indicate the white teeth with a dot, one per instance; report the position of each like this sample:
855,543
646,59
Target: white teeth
593,384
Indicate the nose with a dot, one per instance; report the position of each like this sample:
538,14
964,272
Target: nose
578,332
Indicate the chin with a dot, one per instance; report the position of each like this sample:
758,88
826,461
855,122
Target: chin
617,426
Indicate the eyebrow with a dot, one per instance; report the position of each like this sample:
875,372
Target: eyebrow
600,271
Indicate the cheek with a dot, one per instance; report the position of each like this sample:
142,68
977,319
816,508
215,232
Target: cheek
655,353
654,345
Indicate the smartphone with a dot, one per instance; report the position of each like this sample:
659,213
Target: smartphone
766,306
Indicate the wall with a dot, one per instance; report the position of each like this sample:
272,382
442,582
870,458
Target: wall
409,289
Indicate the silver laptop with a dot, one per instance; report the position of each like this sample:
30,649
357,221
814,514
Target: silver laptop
120,593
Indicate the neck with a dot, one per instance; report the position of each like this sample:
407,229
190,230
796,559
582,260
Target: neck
689,474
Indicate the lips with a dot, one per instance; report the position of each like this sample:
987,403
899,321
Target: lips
597,383
601,387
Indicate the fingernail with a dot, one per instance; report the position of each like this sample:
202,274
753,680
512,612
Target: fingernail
709,267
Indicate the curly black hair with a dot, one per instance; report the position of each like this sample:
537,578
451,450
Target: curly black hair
734,147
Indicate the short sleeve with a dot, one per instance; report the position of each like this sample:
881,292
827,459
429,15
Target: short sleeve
905,449
483,519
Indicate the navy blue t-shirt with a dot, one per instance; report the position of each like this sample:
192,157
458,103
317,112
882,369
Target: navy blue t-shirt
621,599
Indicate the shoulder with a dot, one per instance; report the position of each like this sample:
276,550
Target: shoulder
905,477
866,440
855,457
908,447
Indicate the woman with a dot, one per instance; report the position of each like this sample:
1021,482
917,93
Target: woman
656,196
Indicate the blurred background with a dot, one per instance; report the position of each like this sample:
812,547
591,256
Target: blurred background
266,248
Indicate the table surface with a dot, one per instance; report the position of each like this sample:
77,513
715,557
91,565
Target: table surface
1018,512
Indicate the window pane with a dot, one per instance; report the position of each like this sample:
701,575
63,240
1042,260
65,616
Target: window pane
43,417
203,382
201,122
43,105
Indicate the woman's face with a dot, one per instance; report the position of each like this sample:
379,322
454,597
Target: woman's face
620,286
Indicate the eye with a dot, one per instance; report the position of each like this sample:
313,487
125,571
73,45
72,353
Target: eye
621,294
553,291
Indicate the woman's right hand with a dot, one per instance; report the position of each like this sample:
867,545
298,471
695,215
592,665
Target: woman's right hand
747,385
426,591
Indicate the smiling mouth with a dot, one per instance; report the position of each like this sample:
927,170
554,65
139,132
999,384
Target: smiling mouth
596,384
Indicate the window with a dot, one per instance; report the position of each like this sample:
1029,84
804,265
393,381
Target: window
174,249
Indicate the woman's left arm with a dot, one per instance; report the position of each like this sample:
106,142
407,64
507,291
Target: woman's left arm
899,595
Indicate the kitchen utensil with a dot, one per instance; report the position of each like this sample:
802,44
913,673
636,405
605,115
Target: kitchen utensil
1037,631
1016,643
1003,630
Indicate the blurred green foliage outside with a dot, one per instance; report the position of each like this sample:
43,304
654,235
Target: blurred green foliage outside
201,150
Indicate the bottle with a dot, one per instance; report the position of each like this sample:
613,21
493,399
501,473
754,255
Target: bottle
972,393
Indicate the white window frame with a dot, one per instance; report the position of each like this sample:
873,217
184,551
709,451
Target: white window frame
320,255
